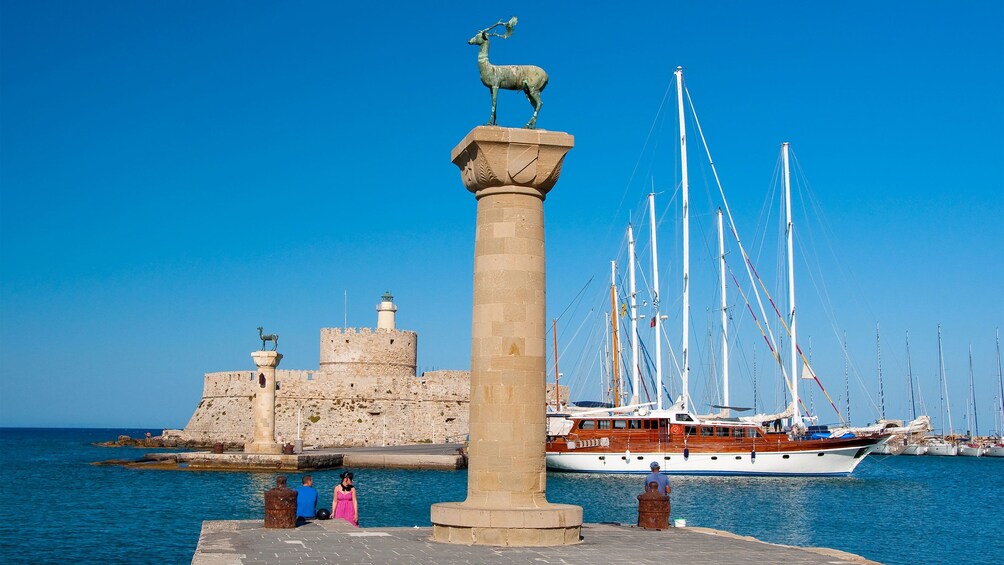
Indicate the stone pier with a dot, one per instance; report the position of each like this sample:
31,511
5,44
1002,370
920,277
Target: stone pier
264,403
510,172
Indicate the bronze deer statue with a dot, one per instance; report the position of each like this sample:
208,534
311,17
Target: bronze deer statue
274,338
528,78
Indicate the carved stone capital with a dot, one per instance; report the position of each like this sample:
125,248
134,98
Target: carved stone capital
266,358
496,160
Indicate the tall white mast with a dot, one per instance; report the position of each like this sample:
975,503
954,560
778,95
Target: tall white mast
796,416
944,384
614,312
685,192
655,302
1000,383
634,319
725,318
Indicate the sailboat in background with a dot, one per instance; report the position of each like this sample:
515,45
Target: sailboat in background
902,435
997,449
914,442
972,447
941,445
895,444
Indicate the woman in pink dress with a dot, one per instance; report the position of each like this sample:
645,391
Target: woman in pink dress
345,504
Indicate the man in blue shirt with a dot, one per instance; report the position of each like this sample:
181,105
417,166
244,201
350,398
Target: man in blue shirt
656,477
306,499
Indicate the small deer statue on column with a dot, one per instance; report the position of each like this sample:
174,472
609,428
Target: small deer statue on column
528,78
274,338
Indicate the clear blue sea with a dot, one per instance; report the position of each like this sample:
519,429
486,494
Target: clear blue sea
56,507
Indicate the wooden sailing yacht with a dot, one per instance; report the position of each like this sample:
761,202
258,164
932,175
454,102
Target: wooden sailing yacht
628,439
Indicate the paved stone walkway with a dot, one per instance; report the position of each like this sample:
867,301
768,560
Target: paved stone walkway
247,542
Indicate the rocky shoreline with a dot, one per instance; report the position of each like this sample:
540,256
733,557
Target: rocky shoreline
165,441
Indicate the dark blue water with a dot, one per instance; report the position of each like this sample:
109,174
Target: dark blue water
56,507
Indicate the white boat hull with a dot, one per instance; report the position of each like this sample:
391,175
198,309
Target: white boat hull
995,451
942,449
886,449
968,451
915,449
824,462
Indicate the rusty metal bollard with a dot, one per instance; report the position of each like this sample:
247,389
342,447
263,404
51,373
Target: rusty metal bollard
218,447
653,509
287,449
280,505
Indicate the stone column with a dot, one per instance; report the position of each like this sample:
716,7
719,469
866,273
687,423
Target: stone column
510,172
264,404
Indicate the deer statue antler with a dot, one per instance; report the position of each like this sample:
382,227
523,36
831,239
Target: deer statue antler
509,25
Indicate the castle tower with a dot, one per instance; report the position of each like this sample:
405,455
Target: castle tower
381,352
385,312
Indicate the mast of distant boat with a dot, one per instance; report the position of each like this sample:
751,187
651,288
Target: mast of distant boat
945,403
632,298
1000,383
796,414
878,357
685,193
847,389
909,378
975,431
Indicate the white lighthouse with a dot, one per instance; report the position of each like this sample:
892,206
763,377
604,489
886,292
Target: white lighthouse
385,312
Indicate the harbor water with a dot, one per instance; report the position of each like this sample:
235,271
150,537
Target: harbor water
57,507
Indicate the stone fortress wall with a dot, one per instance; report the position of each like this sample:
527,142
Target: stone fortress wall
365,392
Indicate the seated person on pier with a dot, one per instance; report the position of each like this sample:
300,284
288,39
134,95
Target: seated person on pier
657,477
306,499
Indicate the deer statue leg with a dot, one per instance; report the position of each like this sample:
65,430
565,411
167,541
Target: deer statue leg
533,95
495,92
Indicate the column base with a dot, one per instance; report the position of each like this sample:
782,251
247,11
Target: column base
268,447
549,525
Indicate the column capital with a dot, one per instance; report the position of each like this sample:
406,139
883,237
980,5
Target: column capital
497,160
266,358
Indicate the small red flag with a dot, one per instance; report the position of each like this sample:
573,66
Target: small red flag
652,324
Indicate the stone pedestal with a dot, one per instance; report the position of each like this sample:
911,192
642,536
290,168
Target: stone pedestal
510,172
263,440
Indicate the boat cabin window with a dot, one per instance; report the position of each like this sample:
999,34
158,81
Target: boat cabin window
722,432
707,431
649,424
587,425
620,424
737,433
751,432
663,422
690,430
684,418
603,424
634,424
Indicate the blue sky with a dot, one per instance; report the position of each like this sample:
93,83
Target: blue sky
174,174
